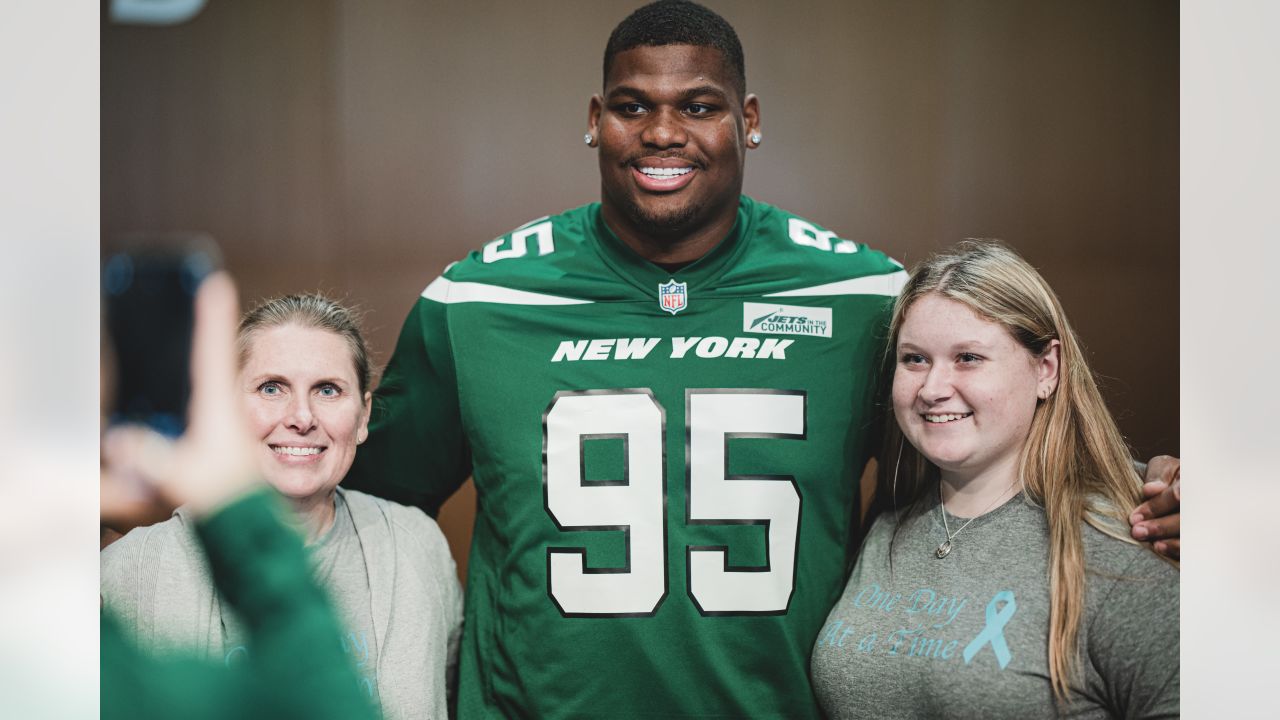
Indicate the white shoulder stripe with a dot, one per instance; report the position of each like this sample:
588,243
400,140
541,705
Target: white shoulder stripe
448,292
890,285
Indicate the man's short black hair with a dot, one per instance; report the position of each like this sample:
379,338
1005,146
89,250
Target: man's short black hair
679,22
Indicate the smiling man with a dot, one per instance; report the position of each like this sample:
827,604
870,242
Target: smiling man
665,399
673,127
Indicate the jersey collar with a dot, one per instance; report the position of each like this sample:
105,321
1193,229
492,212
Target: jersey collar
700,274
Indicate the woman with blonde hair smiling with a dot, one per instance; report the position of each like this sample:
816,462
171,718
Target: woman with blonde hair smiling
1000,580
304,382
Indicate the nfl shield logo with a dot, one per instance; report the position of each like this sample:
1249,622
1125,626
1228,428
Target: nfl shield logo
673,296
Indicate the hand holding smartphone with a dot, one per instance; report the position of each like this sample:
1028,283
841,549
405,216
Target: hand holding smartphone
212,461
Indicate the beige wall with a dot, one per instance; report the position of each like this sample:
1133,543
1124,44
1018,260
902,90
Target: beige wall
359,146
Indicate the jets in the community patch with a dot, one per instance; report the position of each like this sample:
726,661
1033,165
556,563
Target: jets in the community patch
773,319
673,296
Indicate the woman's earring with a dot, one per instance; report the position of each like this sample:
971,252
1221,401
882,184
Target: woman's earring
588,139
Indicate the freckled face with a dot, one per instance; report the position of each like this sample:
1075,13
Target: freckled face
672,130
305,408
964,391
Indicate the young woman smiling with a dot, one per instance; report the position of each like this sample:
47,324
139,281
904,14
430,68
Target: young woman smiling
1000,580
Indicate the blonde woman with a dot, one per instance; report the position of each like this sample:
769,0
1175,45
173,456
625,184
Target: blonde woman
304,383
1001,580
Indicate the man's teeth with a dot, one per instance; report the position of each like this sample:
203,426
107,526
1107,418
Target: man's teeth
665,172
286,450
946,418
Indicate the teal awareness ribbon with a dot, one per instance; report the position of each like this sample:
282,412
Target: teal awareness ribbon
993,633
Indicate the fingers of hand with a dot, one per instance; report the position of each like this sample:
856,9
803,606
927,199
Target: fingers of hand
132,457
1163,502
213,352
1162,528
134,449
1162,468
1152,489
1169,548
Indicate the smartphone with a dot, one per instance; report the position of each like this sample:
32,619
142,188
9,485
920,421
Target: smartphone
148,296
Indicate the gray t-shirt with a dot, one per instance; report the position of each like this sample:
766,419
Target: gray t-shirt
967,636
337,562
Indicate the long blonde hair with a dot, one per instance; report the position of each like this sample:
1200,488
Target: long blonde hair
1075,463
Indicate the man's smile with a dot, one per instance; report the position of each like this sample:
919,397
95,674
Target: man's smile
663,174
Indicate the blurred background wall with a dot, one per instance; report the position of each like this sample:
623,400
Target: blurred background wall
359,146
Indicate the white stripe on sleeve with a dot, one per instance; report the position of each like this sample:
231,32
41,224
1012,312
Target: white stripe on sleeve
890,284
446,291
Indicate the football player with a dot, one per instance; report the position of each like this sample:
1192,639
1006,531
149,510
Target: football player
665,399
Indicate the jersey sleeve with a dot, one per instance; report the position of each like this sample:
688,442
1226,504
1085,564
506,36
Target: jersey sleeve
1134,637
416,453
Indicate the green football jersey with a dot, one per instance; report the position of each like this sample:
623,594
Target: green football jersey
666,463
